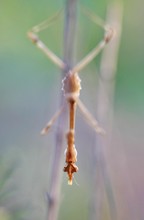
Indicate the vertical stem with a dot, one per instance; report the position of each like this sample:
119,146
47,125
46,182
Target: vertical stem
56,172
70,32
102,179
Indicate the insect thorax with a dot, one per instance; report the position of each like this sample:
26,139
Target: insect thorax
71,85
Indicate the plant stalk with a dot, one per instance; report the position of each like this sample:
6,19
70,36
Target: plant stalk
103,192
54,194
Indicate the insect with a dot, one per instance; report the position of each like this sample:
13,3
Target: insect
71,86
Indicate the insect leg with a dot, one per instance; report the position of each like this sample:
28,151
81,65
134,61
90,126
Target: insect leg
33,35
89,118
51,122
109,33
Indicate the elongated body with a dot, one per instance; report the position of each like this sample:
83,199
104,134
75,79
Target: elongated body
71,88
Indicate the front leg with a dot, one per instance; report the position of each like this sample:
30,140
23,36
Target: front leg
33,35
52,56
108,35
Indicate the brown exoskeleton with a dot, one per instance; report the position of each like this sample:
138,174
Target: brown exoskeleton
71,86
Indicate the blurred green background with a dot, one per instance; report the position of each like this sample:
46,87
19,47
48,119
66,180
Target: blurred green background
30,87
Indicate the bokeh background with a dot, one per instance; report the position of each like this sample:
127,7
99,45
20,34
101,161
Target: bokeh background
30,87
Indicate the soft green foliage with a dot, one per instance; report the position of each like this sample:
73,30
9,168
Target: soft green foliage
4,215
8,209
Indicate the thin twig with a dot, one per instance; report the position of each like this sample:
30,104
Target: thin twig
70,33
56,172
102,180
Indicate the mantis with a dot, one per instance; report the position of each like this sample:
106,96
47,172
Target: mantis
71,86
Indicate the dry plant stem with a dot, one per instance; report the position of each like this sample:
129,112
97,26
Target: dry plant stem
70,33
56,174
102,181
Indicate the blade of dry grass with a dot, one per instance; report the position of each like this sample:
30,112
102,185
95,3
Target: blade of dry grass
54,194
103,192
